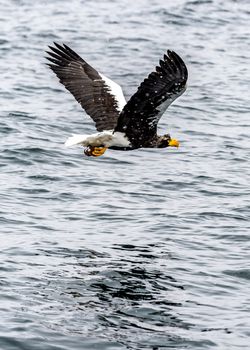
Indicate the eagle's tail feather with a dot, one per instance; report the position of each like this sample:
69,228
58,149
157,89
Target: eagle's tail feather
75,140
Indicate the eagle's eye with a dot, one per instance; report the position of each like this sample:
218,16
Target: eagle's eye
167,137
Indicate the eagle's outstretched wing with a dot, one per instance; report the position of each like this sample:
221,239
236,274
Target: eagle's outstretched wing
99,96
142,112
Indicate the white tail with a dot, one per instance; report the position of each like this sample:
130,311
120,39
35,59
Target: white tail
75,140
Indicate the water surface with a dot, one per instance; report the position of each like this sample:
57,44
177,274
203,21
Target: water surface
133,250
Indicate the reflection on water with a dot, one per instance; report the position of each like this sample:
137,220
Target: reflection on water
131,294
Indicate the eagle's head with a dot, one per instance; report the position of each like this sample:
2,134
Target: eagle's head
167,141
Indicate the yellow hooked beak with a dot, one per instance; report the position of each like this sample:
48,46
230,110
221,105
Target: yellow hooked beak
174,143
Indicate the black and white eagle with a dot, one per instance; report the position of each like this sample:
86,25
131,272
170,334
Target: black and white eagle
121,125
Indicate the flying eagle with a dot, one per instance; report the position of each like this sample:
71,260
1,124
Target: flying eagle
121,125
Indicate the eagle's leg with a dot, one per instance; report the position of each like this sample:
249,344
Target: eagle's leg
94,151
98,151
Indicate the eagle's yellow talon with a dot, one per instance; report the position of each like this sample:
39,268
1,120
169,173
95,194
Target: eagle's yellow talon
98,151
95,151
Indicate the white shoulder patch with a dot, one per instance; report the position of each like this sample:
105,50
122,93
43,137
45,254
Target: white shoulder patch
116,91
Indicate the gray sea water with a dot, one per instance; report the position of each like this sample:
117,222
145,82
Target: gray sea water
133,250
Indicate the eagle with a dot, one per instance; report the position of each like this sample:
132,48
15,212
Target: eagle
120,125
